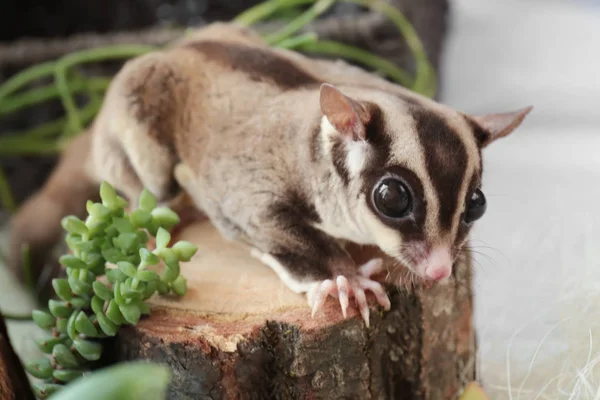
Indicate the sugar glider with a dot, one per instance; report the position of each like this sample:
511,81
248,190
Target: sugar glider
289,155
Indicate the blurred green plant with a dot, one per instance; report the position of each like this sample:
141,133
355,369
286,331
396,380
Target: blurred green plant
124,381
88,309
50,137
424,81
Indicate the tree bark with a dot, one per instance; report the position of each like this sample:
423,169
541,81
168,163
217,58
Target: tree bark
14,384
239,333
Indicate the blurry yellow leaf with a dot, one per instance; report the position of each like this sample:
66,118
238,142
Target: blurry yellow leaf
474,392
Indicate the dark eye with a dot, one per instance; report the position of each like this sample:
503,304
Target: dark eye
475,207
392,198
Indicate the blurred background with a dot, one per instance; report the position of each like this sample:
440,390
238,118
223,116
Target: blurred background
538,264
538,275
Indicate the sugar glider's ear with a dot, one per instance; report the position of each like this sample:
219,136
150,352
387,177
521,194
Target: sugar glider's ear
496,126
347,116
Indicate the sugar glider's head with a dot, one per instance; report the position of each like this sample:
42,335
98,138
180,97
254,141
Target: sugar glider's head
415,167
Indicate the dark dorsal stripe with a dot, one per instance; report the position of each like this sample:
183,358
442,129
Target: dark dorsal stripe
315,141
380,140
338,157
259,64
445,159
378,137
481,136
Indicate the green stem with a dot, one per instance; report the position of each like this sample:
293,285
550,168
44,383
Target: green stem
74,124
286,15
26,76
361,56
50,92
143,265
16,317
44,130
297,24
6,197
26,146
26,265
297,41
50,128
265,9
425,80
94,91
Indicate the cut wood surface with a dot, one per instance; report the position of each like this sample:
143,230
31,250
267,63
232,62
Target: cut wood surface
239,333
14,384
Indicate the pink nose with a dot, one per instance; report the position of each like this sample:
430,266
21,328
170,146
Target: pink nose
439,264
438,273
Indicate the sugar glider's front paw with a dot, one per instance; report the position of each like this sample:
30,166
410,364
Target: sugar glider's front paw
344,287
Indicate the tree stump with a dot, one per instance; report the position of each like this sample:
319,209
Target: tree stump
14,384
239,333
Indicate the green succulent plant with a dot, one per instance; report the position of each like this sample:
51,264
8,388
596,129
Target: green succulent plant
137,380
87,309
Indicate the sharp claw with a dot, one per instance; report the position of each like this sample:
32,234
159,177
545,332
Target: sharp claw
385,302
321,295
342,288
310,295
361,300
377,289
314,310
371,268
342,284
